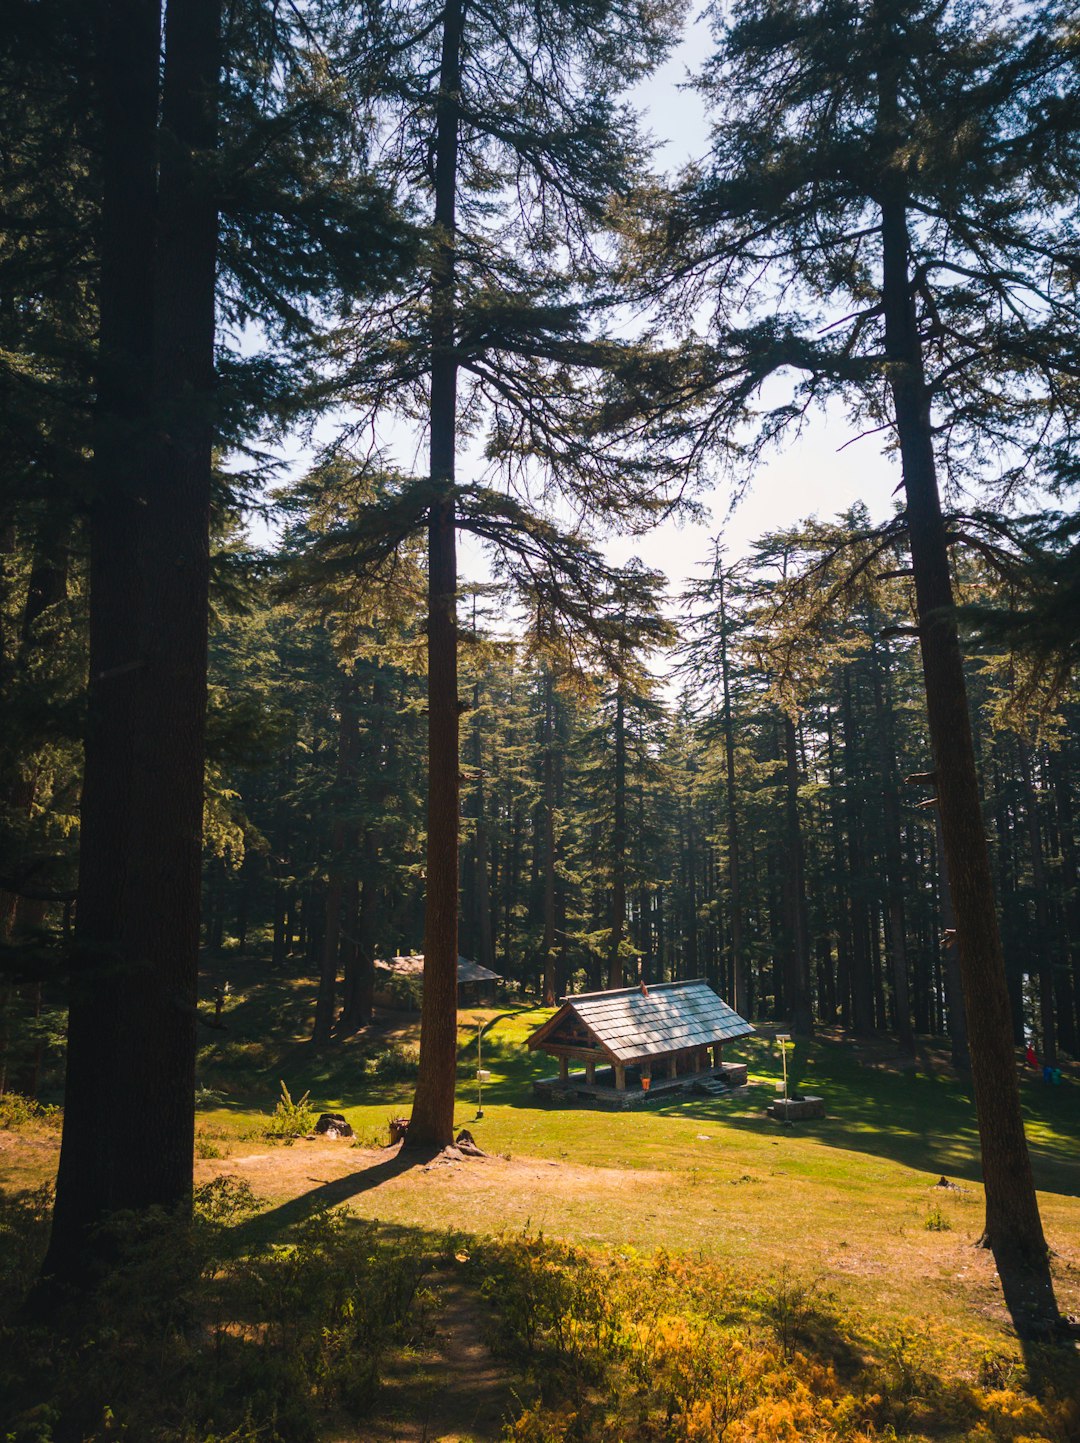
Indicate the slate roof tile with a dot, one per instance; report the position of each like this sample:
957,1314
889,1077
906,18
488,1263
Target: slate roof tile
631,1024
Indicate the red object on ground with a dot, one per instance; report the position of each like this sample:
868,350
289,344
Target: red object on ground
1030,1058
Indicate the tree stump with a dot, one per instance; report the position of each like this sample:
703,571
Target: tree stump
466,1144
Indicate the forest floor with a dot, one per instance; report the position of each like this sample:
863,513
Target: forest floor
850,1207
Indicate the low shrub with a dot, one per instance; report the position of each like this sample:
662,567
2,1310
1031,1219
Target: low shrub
404,992
291,1119
618,1348
17,1112
193,1339
396,1063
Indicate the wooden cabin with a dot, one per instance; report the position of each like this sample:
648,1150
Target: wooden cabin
476,984
626,1045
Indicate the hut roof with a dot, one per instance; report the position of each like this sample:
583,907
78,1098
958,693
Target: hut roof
413,966
631,1023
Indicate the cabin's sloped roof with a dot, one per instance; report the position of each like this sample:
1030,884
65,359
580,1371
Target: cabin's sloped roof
413,966
631,1024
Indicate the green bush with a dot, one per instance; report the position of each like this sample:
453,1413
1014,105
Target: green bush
394,1064
405,991
936,1221
17,1111
291,1119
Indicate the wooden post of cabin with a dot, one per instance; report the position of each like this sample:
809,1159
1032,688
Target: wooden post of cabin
697,1059
717,1054
590,1071
564,1069
620,1077
673,1065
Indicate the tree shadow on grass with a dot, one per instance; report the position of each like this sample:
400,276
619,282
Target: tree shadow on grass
266,1226
919,1118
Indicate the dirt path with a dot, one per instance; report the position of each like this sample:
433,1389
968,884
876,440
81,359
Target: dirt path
451,1390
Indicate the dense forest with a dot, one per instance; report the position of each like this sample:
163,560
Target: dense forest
264,707
743,810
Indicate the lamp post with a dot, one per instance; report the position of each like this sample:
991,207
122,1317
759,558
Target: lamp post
784,1038
481,1075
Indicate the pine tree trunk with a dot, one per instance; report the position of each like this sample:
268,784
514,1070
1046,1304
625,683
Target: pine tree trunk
547,841
798,981
1043,941
1013,1227
843,934
157,1004
432,1121
618,847
46,587
127,36
954,991
326,998
485,941
894,872
132,1031
740,1001
862,980
1070,879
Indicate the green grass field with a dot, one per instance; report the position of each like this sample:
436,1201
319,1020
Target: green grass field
851,1197
847,1210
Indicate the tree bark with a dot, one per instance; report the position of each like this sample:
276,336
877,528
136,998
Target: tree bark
547,802
894,871
740,1001
798,980
157,1005
862,979
326,999
618,847
1013,1227
432,1120
127,37
132,1020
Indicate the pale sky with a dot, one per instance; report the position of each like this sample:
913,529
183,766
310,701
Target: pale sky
812,476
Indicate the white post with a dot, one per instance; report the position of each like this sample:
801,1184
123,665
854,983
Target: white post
479,1066
784,1038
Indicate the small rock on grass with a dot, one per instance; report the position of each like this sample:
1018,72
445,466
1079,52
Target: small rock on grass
333,1124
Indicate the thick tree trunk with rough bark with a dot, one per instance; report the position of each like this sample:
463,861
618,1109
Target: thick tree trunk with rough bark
1013,1226
133,1003
127,36
432,1121
158,1001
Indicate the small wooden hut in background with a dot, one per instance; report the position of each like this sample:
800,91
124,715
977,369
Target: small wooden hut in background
476,984
638,1041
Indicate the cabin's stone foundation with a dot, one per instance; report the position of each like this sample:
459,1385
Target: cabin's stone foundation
602,1089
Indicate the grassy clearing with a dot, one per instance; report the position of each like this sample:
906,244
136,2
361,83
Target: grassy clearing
841,1218
852,1197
